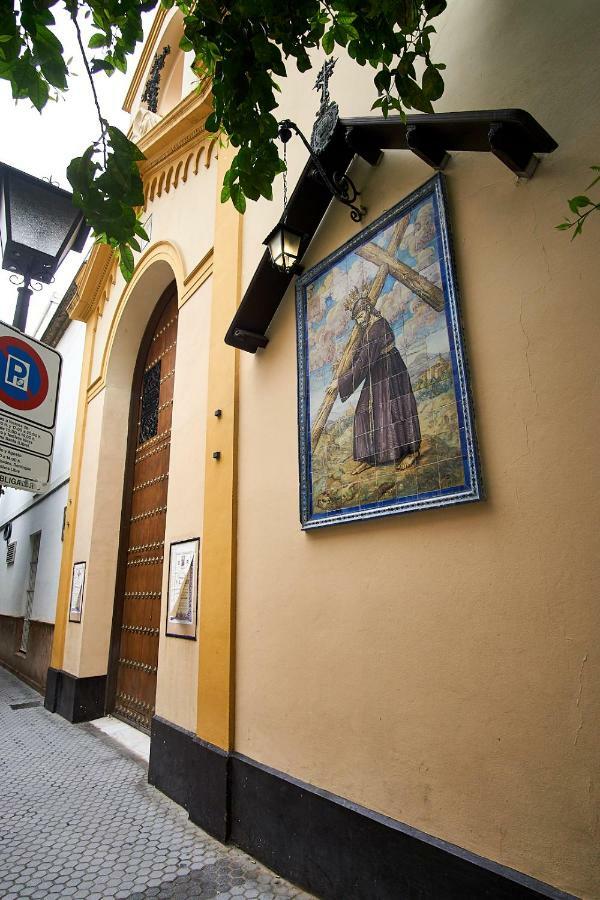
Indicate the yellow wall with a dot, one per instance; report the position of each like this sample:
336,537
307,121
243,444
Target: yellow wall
178,659
441,667
438,667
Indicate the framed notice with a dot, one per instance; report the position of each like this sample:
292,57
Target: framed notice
77,587
182,601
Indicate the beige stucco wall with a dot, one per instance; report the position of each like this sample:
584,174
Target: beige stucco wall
441,667
438,667
178,659
180,182
185,218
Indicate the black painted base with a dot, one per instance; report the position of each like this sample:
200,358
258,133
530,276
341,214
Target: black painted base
191,772
331,847
75,699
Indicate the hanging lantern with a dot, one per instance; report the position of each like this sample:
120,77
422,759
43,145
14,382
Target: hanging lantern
284,246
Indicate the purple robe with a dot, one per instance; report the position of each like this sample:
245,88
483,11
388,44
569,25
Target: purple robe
386,424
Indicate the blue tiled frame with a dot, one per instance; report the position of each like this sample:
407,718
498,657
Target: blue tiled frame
472,489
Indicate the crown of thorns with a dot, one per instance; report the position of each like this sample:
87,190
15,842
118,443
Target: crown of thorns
359,294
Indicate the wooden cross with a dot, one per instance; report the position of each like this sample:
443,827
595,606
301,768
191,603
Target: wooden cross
388,265
422,287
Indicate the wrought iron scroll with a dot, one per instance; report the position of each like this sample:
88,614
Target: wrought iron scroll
149,406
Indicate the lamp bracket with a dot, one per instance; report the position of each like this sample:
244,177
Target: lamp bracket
340,186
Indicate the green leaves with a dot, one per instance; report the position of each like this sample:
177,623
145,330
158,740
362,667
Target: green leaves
31,56
38,93
126,261
433,83
107,193
245,46
328,41
577,205
238,197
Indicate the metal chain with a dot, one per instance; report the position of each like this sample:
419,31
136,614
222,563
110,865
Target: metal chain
285,176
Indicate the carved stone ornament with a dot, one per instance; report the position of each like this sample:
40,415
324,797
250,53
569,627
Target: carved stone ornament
324,127
143,121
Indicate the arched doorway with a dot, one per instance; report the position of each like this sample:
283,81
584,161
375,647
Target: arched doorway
137,609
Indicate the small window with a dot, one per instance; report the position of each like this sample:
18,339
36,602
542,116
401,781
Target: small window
11,552
149,405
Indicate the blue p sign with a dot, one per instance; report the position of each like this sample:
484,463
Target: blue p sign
16,373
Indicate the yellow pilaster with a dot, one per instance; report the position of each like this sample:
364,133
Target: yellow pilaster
66,563
216,670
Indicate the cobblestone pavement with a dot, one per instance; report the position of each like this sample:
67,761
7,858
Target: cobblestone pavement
78,819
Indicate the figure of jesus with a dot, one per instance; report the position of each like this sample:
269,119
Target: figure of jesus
386,422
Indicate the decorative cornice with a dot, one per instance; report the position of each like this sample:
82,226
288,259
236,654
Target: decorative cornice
93,283
177,144
174,148
197,276
149,47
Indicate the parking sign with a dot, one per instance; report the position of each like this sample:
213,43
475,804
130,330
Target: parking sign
29,377
29,382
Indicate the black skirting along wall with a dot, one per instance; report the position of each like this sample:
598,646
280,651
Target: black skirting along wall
75,699
331,847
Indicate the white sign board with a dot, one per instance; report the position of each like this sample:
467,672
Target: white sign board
29,383
183,589
77,585
25,437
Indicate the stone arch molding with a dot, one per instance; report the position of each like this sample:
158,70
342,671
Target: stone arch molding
105,451
160,264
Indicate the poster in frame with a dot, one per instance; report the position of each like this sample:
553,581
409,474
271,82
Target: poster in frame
384,406
182,596
77,589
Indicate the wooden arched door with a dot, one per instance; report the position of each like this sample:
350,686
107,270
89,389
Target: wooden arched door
137,619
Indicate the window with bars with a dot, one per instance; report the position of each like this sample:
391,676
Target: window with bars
11,552
149,405
31,576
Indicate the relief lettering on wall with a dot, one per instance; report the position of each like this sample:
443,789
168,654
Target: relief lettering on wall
385,417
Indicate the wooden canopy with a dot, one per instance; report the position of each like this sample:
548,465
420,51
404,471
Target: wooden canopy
512,135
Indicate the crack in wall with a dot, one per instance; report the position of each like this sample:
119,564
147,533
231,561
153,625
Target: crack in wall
527,360
578,701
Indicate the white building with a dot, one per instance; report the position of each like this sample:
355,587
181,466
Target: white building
31,525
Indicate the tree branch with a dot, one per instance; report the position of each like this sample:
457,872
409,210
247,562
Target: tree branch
72,8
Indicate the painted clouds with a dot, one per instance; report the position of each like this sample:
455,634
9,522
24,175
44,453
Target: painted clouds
413,320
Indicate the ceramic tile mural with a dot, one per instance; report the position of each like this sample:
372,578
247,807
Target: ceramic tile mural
384,409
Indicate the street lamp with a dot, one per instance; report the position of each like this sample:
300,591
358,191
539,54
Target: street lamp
38,227
284,246
285,242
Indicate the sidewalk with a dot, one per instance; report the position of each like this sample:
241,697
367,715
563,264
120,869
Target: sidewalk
78,819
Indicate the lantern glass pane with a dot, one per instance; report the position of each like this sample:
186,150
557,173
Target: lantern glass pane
39,218
291,247
276,247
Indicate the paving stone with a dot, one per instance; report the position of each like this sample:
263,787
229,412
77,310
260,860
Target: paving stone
84,811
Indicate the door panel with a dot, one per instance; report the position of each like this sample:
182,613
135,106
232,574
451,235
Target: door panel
139,597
